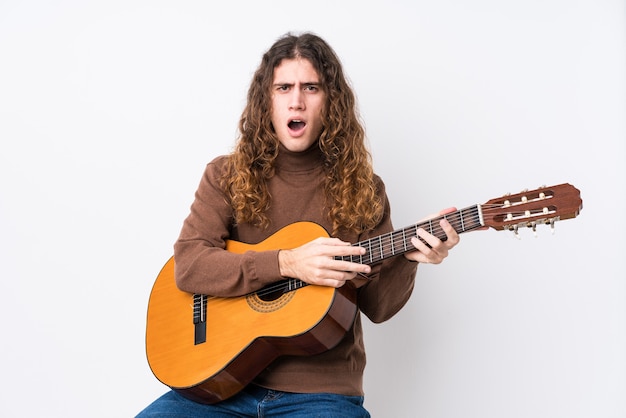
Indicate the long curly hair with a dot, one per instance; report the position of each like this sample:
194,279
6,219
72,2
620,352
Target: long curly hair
352,198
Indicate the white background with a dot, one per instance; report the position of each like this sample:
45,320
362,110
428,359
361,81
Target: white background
109,111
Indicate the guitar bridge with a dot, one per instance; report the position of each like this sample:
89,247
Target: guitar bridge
199,318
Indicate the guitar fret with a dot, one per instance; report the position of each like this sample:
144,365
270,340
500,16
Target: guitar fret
375,248
404,238
462,221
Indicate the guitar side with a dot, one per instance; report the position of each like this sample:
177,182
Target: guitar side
243,334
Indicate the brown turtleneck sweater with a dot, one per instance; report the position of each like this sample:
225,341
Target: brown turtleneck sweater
203,266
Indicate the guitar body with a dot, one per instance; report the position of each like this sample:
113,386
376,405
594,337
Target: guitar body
243,334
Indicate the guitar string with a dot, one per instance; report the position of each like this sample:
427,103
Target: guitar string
285,284
384,247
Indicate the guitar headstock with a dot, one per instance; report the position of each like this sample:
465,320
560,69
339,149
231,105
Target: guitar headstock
530,208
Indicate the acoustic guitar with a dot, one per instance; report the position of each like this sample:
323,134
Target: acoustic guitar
209,348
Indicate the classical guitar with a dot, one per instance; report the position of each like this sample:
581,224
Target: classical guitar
208,348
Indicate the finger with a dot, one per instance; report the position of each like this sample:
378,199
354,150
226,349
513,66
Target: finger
431,247
429,239
423,254
334,279
328,282
451,234
336,247
424,251
447,210
354,267
349,264
440,213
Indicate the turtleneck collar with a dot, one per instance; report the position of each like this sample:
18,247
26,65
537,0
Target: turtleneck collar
299,161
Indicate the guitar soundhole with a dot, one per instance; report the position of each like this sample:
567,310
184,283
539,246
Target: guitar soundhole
269,296
269,300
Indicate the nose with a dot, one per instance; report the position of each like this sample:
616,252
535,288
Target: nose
296,101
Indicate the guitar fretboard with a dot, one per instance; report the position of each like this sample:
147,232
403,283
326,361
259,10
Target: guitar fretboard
399,241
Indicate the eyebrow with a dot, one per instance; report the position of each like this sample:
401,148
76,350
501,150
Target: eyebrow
307,84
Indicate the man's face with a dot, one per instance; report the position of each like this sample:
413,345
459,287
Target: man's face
297,103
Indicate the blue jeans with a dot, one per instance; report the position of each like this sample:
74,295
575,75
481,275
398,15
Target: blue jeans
258,402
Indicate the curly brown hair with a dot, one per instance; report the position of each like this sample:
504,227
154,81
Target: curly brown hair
351,193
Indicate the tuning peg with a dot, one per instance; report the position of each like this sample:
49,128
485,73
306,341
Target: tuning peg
533,225
516,232
552,220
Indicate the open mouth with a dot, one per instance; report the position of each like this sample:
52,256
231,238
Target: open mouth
296,125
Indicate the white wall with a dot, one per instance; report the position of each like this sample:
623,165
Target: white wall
110,109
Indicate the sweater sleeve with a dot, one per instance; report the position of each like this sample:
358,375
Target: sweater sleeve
202,264
390,284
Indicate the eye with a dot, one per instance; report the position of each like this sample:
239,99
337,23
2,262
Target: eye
282,87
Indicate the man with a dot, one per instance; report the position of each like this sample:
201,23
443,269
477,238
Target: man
301,156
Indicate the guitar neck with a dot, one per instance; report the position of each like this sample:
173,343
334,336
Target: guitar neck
399,241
